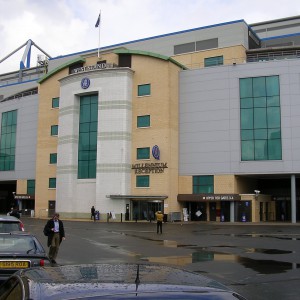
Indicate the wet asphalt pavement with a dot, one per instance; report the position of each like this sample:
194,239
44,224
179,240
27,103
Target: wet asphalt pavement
259,261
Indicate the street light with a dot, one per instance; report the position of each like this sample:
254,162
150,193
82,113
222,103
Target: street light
257,192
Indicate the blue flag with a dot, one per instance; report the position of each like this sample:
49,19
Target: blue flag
98,21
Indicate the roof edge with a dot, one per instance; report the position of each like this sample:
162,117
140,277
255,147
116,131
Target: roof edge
61,67
152,54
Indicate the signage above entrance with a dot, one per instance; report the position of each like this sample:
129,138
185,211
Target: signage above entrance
148,168
94,67
208,197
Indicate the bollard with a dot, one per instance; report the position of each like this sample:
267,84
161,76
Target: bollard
121,217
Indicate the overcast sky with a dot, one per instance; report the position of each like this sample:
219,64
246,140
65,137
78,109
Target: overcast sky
61,27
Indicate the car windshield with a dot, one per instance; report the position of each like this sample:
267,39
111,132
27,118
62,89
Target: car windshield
9,226
11,243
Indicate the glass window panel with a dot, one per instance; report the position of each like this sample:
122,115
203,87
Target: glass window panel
272,85
273,101
273,117
246,135
246,88
260,118
213,61
274,149
93,126
54,130
94,112
259,87
52,183
261,150
144,90
247,103
247,150
260,134
143,153
85,113
93,140
53,158
246,118
260,102
143,121
92,168
4,120
55,102
274,134
31,187
142,181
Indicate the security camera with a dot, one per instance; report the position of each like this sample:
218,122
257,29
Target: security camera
256,192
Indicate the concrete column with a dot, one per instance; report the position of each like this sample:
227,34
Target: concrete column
293,198
232,211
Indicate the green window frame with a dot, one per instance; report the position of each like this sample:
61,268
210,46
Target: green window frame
8,140
203,184
55,102
143,153
144,89
260,118
143,181
52,183
30,186
54,130
88,129
213,61
53,158
143,121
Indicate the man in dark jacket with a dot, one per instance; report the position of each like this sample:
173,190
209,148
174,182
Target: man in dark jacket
54,229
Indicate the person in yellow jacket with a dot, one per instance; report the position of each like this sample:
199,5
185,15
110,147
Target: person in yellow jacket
159,218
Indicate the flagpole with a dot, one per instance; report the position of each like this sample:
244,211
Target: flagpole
99,35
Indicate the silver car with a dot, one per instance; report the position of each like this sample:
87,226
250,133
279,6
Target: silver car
10,223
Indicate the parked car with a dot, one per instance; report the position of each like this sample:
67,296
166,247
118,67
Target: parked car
20,250
10,223
112,281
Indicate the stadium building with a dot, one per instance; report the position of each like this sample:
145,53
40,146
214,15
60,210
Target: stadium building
202,124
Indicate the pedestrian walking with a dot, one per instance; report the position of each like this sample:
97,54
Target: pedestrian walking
55,231
159,219
93,213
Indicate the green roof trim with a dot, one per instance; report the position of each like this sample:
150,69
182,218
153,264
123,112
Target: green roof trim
61,67
152,54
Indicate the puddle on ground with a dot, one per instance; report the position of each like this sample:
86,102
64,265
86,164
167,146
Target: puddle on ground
261,266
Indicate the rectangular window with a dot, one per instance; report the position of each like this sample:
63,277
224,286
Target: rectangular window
87,145
144,90
143,153
55,102
143,181
260,118
31,187
54,130
203,184
213,61
8,140
53,158
52,183
143,121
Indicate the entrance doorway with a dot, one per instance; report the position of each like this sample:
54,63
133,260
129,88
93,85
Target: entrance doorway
143,210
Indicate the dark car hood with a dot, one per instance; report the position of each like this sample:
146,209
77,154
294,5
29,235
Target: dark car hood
121,281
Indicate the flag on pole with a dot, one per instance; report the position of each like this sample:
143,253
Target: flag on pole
98,21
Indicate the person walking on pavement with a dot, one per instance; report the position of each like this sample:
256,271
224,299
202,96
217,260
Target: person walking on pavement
159,218
93,213
55,231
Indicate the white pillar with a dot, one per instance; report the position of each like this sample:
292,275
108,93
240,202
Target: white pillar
293,198
232,211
